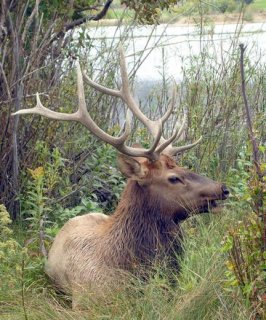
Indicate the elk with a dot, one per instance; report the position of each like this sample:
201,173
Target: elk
90,249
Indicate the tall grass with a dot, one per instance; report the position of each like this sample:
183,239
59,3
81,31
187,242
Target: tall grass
198,291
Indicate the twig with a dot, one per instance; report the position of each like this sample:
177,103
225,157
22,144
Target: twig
42,235
18,91
78,22
24,97
23,289
30,20
255,149
5,81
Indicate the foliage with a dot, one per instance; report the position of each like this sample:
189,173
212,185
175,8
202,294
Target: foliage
21,269
36,209
238,178
148,11
259,4
12,256
226,5
245,243
63,10
171,11
43,182
246,266
8,245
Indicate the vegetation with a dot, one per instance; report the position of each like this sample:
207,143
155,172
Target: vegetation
64,172
173,11
259,4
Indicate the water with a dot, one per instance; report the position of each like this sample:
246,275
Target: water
167,49
156,53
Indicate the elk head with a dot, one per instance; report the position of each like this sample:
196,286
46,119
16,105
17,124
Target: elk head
175,189
176,192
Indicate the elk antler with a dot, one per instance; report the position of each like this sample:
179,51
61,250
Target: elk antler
155,127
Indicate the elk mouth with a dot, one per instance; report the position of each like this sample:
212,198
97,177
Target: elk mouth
207,205
210,205
213,204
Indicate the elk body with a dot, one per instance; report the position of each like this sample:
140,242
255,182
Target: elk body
91,250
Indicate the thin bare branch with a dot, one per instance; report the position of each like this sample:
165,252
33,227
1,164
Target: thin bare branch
78,22
170,106
30,20
248,113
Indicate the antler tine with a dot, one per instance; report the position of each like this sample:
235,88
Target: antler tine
170,106
157,139
126,122
125,94
175,136
155,127
43,111
127,97
150,153
175,150
87,121
103,89
181,129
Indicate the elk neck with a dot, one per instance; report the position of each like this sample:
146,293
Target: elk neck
139,229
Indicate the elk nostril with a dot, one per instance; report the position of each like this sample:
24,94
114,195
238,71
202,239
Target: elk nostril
225,190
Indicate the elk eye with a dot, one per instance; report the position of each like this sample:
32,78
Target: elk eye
174,180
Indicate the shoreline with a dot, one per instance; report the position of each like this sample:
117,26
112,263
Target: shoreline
215,19
220,19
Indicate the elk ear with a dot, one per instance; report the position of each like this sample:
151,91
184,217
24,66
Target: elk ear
130,167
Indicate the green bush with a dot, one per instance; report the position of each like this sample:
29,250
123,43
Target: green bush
246,243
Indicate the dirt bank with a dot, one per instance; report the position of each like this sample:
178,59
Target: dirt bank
215,19
224,19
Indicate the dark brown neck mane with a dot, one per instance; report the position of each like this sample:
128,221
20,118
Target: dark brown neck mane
139,230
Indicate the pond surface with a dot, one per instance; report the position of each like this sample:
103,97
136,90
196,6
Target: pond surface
175,45
164,51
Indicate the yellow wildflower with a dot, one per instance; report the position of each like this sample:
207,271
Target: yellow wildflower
36,173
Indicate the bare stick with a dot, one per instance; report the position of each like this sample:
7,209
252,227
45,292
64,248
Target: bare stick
255,149
78,22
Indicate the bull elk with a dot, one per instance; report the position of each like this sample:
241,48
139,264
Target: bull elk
90,249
